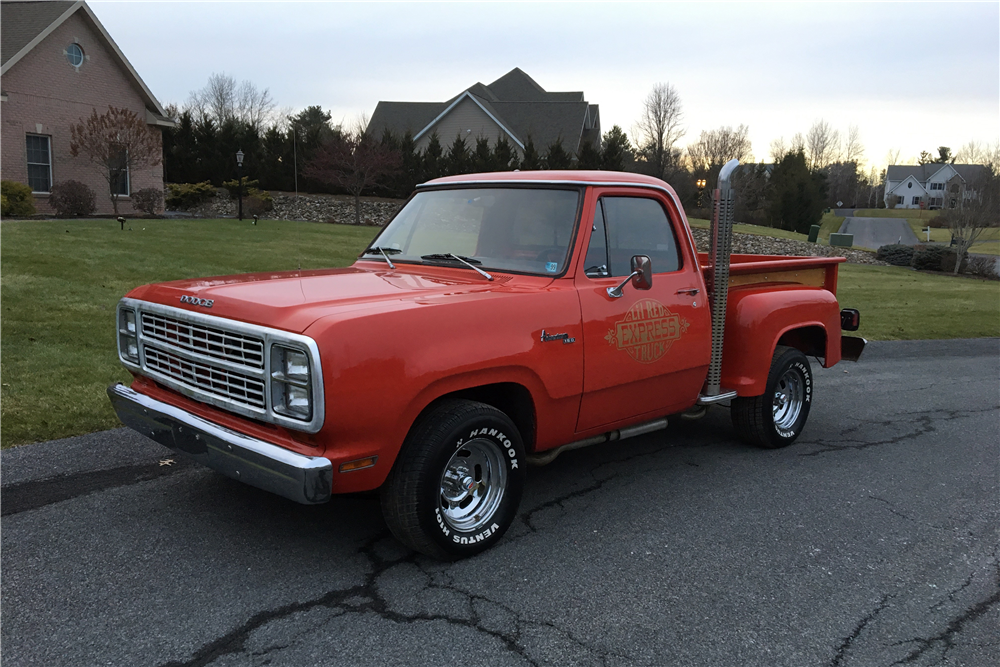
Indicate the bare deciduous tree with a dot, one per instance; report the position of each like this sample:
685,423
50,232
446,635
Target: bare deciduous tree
355,162
978,209
854,150
659,129
779,149
116,142
223,99
892,157
822,145
717,147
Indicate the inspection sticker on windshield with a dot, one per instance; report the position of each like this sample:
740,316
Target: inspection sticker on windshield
552,267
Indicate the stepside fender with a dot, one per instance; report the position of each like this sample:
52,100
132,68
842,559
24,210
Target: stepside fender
755,322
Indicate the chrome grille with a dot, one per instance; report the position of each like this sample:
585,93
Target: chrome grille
208,341
220,382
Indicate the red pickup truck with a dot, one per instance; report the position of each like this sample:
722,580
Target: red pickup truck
495,321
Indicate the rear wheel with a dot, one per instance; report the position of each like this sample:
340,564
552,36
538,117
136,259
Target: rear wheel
776,418
457,483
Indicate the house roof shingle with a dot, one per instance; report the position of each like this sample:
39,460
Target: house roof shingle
515,100
21,22
923,172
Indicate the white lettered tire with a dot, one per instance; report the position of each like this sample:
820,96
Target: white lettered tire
777,418
456,485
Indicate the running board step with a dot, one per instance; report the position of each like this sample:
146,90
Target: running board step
549,455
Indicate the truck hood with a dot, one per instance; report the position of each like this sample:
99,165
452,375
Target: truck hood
293,300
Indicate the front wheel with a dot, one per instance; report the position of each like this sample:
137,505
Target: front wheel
456,485
776,418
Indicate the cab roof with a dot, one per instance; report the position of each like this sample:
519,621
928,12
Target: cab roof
581,177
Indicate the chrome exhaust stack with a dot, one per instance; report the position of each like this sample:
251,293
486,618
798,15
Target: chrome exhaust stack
718,280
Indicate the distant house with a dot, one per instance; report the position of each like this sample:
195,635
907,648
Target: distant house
513,106
59,64
934,184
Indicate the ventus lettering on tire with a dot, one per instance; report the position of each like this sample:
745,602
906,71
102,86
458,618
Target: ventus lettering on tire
457,483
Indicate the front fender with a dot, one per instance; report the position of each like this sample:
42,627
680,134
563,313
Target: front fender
755,321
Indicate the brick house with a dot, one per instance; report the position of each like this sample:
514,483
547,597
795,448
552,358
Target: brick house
514,106
59,64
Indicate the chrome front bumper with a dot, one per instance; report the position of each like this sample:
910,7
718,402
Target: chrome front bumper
304,479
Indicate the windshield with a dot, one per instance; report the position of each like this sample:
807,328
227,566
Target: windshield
508,229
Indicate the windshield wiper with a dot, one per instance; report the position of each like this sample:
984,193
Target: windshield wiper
385,253
468,261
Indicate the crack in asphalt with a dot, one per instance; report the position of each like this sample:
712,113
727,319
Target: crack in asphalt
366,598
846,643
945,639
31,495
925,425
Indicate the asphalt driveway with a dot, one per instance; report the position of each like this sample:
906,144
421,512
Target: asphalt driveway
872,541
876,232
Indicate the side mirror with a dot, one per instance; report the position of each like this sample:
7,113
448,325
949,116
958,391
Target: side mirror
641,276
642,272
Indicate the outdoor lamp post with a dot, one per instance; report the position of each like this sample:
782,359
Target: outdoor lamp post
239,187
701,188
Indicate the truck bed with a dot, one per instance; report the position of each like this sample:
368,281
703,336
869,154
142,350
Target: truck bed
745,270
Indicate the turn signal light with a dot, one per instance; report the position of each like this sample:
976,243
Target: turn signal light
360,464
850,319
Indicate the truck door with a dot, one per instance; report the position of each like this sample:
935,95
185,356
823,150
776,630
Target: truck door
646,352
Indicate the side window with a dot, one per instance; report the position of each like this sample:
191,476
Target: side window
638,226
596,264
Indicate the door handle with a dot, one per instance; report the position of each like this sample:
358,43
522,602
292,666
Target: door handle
691,291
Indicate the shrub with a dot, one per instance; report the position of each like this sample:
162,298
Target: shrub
72,198
147,200
984,267
255,205
233,186
17,199
928,257
188,195
896,254
948,261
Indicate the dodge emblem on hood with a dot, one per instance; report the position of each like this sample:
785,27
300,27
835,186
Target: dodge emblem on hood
195,301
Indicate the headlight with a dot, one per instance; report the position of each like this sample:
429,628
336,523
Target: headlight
128,346
291,395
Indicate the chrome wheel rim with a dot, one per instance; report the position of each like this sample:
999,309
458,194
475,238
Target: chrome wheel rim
789,396
472,485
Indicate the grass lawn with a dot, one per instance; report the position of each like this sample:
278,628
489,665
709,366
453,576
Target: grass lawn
897,303
61,280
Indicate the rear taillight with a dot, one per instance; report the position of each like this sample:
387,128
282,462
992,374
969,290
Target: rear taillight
850,319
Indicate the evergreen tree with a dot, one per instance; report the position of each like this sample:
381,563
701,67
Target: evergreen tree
410,166
482,158
589,157
531,160
504,156
457,160
557,157
799,195
432,162
616,152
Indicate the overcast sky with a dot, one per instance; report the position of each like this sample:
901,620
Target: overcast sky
912,76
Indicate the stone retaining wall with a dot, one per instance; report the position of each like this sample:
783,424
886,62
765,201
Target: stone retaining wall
340,209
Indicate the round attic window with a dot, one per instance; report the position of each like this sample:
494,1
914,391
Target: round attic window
909,185
74,54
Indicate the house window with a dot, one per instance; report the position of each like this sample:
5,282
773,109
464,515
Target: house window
937,186
74,54
39,163
120,177
909,185
936,201
916,201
